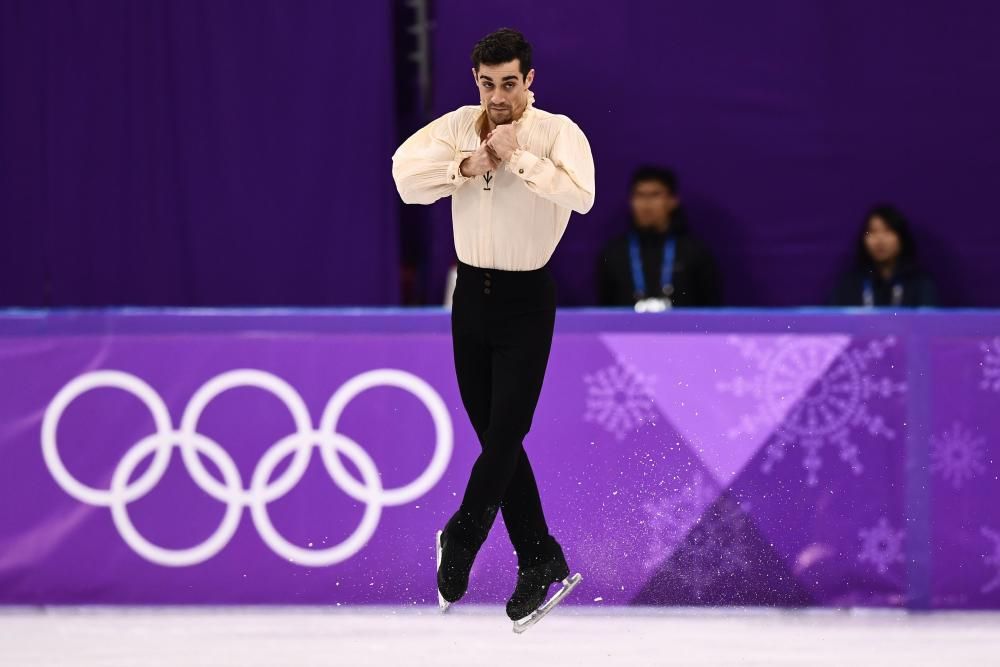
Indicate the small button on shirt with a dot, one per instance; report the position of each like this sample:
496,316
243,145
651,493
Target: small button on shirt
511,218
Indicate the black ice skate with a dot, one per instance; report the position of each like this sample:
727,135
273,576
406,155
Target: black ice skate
454,562
457,546
525,606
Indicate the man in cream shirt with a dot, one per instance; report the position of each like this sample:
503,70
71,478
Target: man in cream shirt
515,173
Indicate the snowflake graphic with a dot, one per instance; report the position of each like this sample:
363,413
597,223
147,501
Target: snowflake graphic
671,516
714,548
836,391
993,559
619,398
958,455
881,545
990,365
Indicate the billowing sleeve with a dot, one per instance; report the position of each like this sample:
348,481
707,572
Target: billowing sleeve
566,176
426,165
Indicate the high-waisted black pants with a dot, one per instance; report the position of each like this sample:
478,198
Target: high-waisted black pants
502,324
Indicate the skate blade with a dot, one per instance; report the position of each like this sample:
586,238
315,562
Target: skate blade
443,604
568,584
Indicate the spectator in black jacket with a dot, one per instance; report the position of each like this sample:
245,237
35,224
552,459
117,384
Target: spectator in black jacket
886,272
657,263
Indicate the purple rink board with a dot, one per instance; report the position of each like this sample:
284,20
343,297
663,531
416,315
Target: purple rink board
785,458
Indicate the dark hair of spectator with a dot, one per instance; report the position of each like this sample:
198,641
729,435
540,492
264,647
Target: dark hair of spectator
500,47
650,173
897,222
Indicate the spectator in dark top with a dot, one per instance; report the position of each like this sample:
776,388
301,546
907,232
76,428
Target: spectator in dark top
886,272
657,264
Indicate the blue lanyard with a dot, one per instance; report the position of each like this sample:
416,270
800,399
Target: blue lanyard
666,270
868,293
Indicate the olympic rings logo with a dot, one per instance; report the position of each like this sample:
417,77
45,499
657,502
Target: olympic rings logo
262,489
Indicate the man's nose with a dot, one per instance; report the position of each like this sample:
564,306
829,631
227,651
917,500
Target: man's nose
497,100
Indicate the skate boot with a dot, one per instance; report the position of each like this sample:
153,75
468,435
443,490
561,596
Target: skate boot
525,606
456,553
455,560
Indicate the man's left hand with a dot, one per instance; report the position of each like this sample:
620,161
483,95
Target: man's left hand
503,140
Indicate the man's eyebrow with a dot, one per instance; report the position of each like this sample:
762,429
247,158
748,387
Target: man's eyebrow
509,76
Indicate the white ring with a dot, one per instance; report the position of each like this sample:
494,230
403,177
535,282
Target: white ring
258,502
152,552
73,390
229,380
443,439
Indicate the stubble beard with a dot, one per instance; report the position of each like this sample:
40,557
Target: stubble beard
501,117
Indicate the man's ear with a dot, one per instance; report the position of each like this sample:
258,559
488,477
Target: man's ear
529,77
475,76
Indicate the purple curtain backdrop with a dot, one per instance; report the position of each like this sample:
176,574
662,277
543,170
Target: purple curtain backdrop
784,119
196,153
211,153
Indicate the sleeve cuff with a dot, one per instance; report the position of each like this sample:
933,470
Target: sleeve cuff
454,174
522,163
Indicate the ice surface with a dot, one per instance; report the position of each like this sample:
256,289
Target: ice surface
481,635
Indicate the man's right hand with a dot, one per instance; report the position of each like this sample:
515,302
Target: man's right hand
480,162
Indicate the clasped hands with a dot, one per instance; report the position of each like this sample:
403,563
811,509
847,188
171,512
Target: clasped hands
498,146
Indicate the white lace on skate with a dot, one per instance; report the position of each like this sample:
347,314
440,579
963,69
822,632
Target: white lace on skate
568,584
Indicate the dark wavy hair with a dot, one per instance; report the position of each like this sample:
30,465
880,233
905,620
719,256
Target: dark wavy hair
897,222
501,47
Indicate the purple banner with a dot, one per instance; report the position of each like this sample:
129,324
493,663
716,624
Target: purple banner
763,458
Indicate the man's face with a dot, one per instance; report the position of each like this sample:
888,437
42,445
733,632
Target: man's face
652,203
503,91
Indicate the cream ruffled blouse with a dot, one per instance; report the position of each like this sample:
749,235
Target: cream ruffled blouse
511,218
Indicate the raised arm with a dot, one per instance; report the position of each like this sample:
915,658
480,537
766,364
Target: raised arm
566,176
426,166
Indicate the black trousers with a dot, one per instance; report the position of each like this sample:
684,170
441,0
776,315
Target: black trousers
502,324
